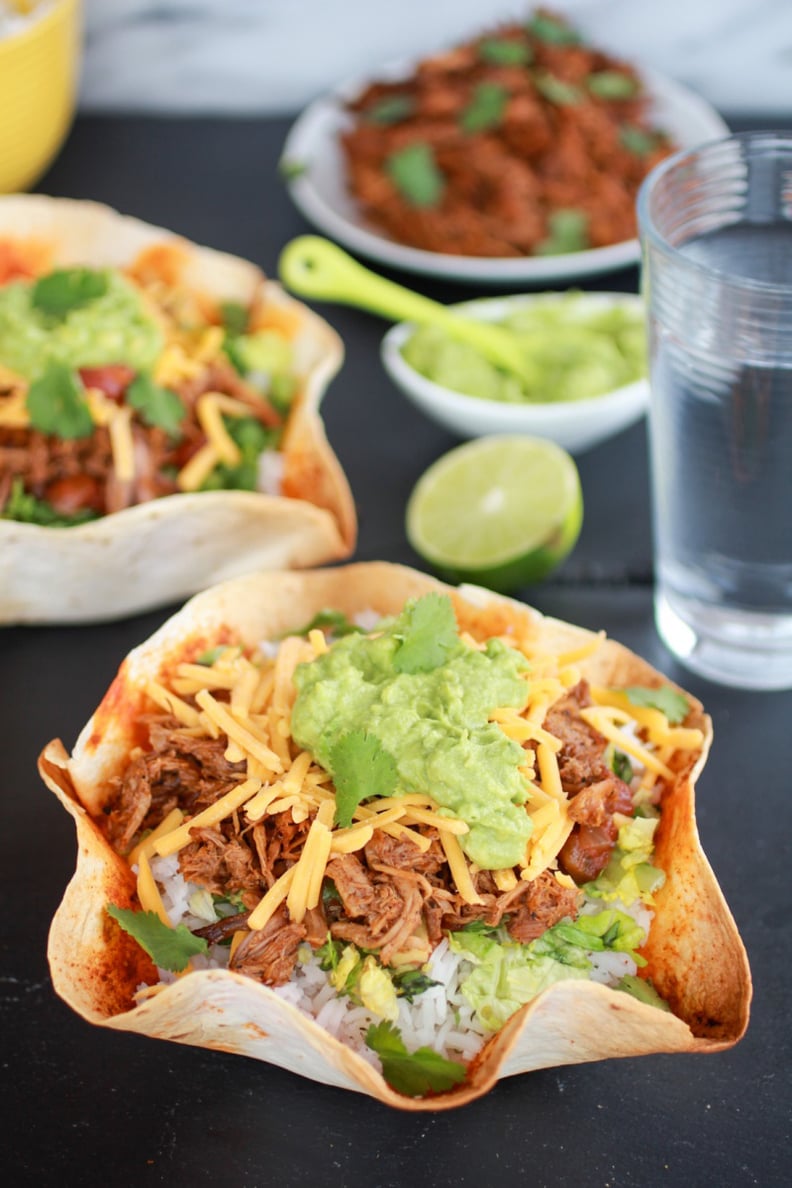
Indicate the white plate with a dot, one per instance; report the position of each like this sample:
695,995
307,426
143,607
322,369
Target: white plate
319,190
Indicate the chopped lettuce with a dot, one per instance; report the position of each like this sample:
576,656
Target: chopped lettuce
630,875
506,975
643,990
26,509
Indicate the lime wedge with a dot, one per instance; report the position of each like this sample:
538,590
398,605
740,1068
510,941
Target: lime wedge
501,512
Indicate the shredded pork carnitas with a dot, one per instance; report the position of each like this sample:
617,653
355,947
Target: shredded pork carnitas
522,141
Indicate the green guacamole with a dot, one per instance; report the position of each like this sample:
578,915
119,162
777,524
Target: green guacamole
572,351
111,328
434,724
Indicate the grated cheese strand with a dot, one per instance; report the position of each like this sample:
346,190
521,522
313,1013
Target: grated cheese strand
148,891
186,714
178,838
146,846
459,868
267,906
211,421
601,718
198,469
224,719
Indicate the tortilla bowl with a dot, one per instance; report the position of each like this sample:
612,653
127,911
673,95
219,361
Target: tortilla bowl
153,553
695,957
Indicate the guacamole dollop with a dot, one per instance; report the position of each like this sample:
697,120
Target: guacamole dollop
111,327
433,723
572,351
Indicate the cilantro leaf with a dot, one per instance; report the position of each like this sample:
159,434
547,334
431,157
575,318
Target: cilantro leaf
485,109
502,51
429,634
392,109
235,317
26,509
291,169
211,655
157,406
636,140
552,30
361,768
335,620
555,90
568,233
612,84
412,982
66,289
415,174
169,948
56,403
413,1073
620,766
674,705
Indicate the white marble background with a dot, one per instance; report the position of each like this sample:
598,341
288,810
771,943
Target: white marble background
254,56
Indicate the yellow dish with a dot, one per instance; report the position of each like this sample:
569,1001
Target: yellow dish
39,69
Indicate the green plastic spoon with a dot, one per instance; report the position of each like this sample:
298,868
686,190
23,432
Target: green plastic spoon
314,267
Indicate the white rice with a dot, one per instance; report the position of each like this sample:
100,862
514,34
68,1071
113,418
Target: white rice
439,1018
270,472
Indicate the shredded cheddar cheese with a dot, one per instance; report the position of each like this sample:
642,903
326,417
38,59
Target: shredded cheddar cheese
178,838
248,703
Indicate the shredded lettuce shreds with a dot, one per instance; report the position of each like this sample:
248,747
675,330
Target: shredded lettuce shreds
630,875
506,975
643,990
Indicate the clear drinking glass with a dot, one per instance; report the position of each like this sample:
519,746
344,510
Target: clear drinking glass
716,233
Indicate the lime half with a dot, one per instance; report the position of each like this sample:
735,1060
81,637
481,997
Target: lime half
501,512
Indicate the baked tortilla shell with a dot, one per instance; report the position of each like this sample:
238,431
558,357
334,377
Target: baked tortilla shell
162,551
695,955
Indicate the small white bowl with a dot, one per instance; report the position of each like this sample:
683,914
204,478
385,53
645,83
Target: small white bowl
577,425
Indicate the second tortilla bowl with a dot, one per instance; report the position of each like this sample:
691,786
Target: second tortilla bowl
692,957
167,548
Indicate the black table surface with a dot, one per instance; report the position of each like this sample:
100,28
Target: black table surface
84,1106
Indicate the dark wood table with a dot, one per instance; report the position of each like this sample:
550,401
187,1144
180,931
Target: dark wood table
85,1107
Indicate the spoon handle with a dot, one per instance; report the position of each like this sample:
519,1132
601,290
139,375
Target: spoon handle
314,267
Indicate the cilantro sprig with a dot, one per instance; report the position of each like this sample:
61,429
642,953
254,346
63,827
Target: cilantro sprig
485,109
552,30
361,768
413,1073
235,317
504,51
612,84
416,175
158,407
56,403
391,109
169,948
637,140
568,232
66,289
430,634
674,705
